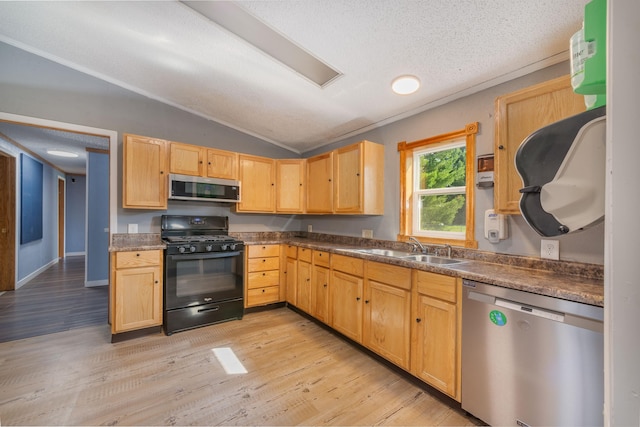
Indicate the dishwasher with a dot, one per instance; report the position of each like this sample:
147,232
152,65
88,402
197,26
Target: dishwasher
531,360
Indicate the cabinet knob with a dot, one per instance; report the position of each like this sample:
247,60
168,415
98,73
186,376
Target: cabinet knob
161,172
263,291
366,301
325,285
264,274
137,254
418,320
358,174
357,298
500,147
156,282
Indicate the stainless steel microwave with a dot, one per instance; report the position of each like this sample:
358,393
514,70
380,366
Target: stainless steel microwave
186,187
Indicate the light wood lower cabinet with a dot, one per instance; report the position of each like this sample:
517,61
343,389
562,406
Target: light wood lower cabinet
263,275
289,278
347,296
387,312
303,284
136,290
437,331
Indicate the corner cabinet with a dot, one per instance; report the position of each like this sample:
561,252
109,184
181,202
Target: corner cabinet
257,177
320,184
517,115
359,179
144,179
436,334
290,188
136,290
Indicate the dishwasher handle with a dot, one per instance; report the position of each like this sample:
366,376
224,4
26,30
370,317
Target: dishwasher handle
516,306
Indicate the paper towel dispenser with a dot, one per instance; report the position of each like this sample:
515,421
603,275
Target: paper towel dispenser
562,167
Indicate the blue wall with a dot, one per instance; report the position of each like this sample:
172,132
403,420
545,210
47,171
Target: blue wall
97,260
75,214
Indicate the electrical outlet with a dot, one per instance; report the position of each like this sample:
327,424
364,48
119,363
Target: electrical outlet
367,234
132,228
309,228
550,249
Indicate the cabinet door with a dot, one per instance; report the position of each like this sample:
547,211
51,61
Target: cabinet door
346,304
517,115
222,164
257,184
291,278
387,322
320,293
186,159
436,343
320,183
304,287
144,179
348,179
290,185
138,298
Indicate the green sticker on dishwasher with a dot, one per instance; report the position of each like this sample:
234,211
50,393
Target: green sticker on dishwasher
498,318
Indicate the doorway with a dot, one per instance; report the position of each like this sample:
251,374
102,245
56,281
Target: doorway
7,222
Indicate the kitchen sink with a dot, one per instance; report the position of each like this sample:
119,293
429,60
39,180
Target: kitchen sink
431,259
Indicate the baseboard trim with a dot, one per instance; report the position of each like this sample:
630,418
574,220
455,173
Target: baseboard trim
26,279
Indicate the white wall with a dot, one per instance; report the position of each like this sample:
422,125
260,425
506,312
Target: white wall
622,284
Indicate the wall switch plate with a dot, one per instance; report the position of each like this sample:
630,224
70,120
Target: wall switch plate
132,228
309,228
367,234
550,249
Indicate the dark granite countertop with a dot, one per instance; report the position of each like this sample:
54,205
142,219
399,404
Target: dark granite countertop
558,279
136,242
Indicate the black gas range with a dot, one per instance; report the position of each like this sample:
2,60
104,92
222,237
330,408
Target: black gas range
203,273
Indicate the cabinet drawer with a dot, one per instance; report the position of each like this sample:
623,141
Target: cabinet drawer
436,285
134,259
261,296
291,251
321,258
262,264
390,274
347,264
261,279
261,251
304,254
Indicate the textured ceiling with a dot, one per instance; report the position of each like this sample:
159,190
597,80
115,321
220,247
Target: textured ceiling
167,51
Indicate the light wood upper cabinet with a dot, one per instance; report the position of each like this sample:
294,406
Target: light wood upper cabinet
290,188
359,179
517,115
436,333
320,183
257,177
144,173
136,290
187,159
387,312
222,164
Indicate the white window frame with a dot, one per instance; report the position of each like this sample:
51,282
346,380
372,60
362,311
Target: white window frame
417,192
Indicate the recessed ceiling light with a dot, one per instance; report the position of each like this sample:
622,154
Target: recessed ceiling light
61,153
405,85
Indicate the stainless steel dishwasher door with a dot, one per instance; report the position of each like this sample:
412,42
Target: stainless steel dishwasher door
531,360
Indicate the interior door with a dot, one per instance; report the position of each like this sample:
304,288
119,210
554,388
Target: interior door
7,222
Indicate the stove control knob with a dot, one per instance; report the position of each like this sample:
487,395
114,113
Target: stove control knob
181,249
192,249
232,246
224,247
209,248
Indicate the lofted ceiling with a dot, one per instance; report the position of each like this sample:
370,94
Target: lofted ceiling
168,51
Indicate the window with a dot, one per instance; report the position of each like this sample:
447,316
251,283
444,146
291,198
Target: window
437,188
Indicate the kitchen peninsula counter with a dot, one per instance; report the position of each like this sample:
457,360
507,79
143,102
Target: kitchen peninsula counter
571,281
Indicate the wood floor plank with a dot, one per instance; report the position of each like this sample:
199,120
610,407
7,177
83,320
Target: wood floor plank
299,374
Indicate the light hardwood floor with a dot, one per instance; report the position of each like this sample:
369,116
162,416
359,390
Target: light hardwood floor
299,373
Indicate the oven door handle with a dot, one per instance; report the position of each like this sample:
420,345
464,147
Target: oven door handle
203,256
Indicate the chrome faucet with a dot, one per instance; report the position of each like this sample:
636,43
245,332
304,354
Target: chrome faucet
416,244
